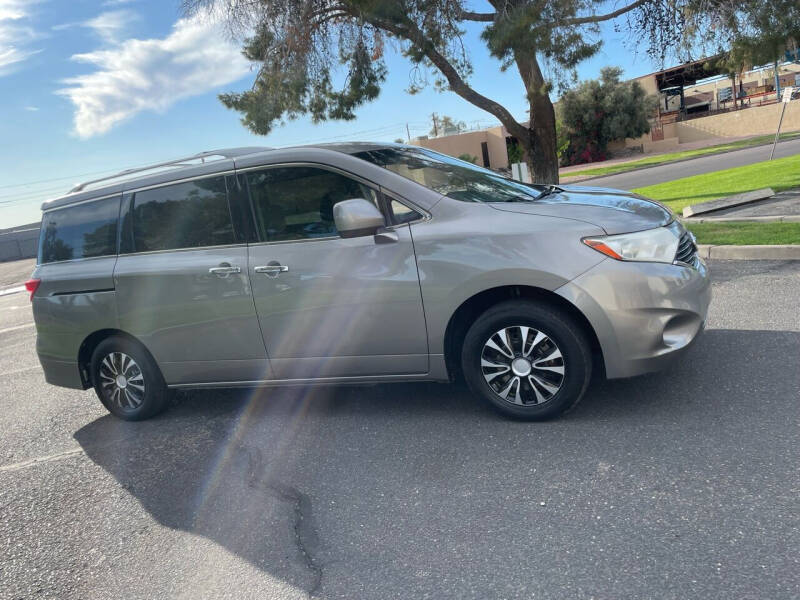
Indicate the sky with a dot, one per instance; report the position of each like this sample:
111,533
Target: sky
91,87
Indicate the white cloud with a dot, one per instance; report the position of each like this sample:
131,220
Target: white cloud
32,108
12,10
117,2
152,75
14,35
109,25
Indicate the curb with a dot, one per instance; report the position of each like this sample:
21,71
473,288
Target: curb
670,162
785,252
762,219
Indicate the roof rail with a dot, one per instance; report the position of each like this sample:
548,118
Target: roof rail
178,162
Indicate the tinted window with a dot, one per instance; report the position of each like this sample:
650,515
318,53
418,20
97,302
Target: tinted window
402,213
451,177
184,215
295,203
81,231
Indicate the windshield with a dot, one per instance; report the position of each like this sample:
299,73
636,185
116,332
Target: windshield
451,177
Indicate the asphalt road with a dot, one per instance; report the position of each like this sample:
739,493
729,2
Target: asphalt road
678,485
696,166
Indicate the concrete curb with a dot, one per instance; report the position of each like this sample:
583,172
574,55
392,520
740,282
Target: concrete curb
728,202
762,219
786,252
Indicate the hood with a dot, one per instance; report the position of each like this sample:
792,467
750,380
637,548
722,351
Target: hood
615,211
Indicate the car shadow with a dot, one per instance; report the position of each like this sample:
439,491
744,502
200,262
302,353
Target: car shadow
271,474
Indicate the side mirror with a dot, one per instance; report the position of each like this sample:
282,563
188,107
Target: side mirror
357,217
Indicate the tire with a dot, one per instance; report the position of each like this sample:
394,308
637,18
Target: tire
140,393
552,368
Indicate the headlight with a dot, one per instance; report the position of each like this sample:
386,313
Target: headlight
653,245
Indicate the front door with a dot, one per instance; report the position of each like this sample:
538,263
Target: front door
330,306
182,287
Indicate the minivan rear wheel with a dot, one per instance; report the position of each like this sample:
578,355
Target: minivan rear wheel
127,380
529,361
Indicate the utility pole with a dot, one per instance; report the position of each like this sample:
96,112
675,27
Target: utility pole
435,125
408,134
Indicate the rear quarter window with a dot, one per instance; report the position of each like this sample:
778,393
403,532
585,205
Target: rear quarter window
81,231
192,214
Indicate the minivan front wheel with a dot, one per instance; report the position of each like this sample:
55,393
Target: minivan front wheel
127,380
528,360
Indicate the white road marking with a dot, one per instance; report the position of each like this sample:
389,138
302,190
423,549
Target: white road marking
42,459
14,290
7,329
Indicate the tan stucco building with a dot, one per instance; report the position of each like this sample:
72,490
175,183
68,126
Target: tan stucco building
695,105
488,145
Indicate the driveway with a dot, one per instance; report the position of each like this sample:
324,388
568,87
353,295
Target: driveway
677,485
695,166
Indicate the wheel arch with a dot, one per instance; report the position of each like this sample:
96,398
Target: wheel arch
91,342
474,306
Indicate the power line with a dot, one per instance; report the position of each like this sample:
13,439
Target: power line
15,185
31,196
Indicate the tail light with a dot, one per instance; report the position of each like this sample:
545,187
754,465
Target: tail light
32,285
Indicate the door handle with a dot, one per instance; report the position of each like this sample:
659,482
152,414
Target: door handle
224,270
271,269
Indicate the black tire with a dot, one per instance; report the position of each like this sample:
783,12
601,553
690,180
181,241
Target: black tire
128,403
563,336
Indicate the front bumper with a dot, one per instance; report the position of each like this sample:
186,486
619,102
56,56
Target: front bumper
644,314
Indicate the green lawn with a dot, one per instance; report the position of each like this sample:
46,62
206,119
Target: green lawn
746,233
781,174
673,156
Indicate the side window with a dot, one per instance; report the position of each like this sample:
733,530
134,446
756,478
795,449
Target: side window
80,231
296,203
184,215
402,213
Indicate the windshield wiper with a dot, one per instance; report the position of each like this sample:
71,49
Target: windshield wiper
551,189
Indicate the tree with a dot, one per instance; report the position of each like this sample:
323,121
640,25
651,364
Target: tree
600,111
297,45
468,158
515,153
445,124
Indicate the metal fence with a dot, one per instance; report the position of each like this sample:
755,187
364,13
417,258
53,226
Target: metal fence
19,242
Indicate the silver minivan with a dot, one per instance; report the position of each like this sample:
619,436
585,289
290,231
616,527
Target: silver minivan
353,263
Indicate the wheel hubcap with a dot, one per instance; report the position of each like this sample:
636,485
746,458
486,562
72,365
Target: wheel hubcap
522,365
122,381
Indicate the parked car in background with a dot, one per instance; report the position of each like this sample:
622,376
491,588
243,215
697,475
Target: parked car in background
353,263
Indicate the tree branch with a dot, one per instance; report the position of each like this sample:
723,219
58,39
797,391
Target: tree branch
606,17
468,15
457,84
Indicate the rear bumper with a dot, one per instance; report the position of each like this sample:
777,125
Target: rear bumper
62,373
645,315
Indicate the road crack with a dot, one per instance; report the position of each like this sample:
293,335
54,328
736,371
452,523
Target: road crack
305,536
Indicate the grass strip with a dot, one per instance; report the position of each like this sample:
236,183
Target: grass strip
662,159
741,233
781,174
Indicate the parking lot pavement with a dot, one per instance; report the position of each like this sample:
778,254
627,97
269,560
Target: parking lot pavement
678,485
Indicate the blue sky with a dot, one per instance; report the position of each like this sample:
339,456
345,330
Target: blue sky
89,87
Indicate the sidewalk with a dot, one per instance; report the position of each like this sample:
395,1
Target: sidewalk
782,207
